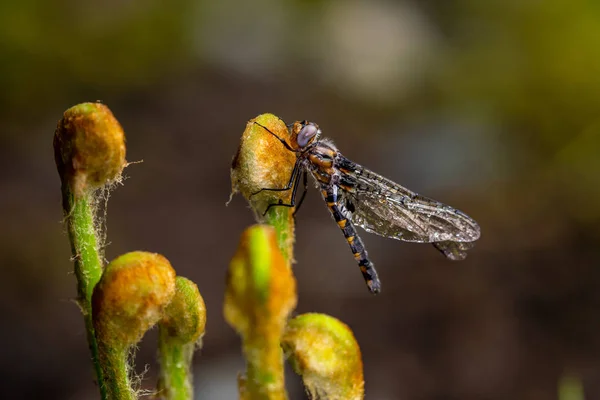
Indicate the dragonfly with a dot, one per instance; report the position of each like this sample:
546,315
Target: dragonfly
358,196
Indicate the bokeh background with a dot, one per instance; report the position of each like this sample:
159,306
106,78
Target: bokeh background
490,106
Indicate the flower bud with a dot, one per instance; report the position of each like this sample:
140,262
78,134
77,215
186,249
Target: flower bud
89,147
263,161
131,297
185,316
324,352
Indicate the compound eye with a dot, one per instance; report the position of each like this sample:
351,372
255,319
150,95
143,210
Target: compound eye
306,134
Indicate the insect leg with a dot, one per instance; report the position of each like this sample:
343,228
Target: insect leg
294,185
305,184
294,178
290,184
287,146
367,268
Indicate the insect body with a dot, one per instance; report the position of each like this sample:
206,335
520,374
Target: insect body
357,196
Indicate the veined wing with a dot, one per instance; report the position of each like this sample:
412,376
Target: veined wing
381,206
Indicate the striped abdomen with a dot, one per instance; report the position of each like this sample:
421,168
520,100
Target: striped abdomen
329,192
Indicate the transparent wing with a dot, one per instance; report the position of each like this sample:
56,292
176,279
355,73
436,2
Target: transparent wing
454,250
385,208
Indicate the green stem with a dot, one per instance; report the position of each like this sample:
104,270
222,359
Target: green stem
113,359
264,368
282,220
175,359
88,266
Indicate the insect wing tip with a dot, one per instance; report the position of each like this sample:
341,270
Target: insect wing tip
455,251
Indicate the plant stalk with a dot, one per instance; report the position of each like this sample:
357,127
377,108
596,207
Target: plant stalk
116,372
175,359
88,266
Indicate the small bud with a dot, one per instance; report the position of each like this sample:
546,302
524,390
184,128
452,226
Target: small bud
89,147
185,317
262,161
324,352
179,332
261,290
131,297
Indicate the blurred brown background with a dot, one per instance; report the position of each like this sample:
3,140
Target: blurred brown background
489,106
